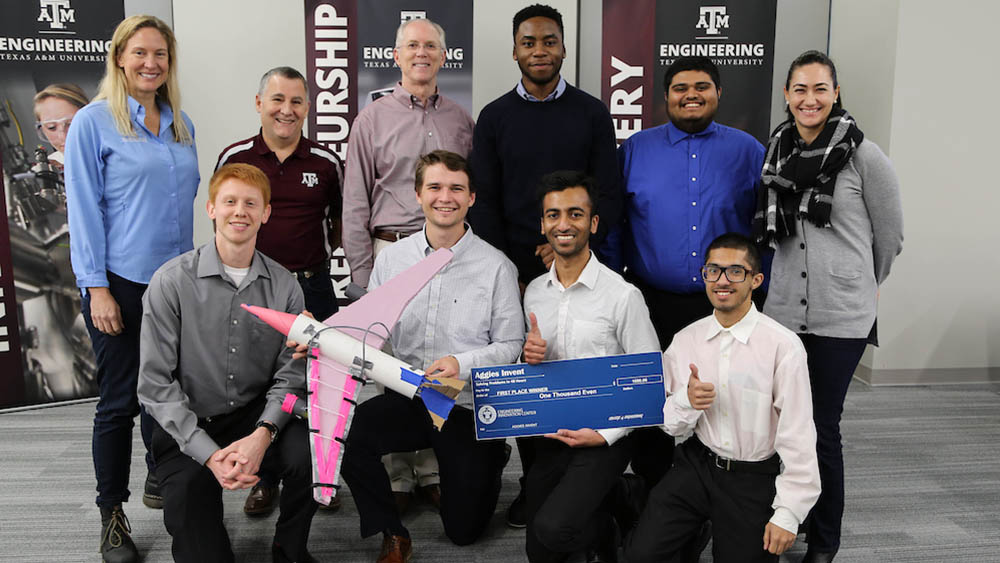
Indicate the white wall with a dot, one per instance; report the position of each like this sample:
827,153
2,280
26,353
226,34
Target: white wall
939,309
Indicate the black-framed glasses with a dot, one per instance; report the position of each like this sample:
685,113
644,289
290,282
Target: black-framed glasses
734,273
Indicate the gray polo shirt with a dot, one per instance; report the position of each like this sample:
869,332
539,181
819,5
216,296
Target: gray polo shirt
201,355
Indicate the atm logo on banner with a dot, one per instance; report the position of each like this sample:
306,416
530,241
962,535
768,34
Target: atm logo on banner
57,13
712,19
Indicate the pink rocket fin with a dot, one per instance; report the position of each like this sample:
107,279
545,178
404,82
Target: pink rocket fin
386,303
280,321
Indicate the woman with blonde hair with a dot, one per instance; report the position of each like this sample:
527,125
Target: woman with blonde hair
131,179
55,105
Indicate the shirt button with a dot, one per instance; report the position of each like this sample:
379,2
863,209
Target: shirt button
803,274
694,254
430,133
236,322
232,377
802,245
694,279
802,328
693,203
232,403
233,349
694,227
803,302
693,179
694,156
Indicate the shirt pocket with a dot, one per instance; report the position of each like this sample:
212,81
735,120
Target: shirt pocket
589,338
755,412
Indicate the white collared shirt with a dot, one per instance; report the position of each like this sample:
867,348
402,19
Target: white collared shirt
600,314
763,403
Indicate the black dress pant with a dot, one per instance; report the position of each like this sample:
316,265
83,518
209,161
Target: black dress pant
566,496
695,490
192,497
470,471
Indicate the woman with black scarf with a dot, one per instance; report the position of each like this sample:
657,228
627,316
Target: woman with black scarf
829,206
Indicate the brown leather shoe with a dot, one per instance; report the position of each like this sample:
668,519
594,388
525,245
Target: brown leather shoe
402,501
333,506
432,494
395,549
261,500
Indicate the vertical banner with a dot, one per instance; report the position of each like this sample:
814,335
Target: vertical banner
737,36
45,352
349,63
628,68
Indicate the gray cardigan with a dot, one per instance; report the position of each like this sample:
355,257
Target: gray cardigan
824,281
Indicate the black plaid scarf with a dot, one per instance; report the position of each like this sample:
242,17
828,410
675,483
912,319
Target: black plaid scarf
799,179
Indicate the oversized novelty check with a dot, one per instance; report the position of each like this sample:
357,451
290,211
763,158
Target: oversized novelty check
604,392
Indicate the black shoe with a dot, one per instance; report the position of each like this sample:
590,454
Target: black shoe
629,501
151,495
278,556
516,518
116,543
818,557
605,549
691,551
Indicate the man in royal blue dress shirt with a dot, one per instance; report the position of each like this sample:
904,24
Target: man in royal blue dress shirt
686,182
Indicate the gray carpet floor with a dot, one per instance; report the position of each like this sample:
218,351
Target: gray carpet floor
923,485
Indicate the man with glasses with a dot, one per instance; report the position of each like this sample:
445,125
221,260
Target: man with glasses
387,139
739,380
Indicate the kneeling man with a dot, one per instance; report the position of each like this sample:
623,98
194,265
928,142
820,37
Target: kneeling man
214,378
468,316
579,309
739,380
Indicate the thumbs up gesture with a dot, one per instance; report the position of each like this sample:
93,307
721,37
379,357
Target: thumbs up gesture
701,395
534,344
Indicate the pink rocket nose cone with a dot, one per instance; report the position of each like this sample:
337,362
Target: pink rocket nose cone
282,322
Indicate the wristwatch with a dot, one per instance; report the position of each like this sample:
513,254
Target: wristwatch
270,428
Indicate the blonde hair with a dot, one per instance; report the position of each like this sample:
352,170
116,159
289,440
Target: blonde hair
246,173
114,86
67,92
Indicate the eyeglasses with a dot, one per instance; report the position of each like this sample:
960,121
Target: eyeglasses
52,126
734,273
414,46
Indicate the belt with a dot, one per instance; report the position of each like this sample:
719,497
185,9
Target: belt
317,270
390,236
769,466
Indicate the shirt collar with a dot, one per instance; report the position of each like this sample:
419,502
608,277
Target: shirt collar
523,93
137,112
209,264
741,330
260,146
675,135
456,248
587,278
409,100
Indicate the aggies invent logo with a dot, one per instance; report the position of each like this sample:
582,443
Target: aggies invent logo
712,19
57,13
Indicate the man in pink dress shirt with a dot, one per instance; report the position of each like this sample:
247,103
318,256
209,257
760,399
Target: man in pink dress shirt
739,380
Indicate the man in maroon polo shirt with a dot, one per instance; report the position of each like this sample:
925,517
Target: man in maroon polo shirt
304,228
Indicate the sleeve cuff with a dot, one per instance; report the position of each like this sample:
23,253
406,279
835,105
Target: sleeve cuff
785,519
464,359
682,401
612,435
92,280
201,446
273,413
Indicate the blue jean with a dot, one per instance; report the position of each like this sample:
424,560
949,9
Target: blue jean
117,404
832,362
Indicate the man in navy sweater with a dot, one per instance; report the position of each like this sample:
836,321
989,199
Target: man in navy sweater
542,125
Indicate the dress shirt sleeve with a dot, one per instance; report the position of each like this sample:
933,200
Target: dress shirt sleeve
506,326
289,374
797,487
335,203
880,190
359,181
84,175
486,216
603,161
159,391
635,331
679,417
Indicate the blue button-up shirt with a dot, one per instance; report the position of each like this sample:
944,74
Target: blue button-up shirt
523,92
129,199
681,191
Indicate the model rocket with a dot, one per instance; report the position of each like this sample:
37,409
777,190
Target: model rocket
365,361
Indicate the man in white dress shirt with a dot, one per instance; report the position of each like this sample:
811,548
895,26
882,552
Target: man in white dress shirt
579,309
739,380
